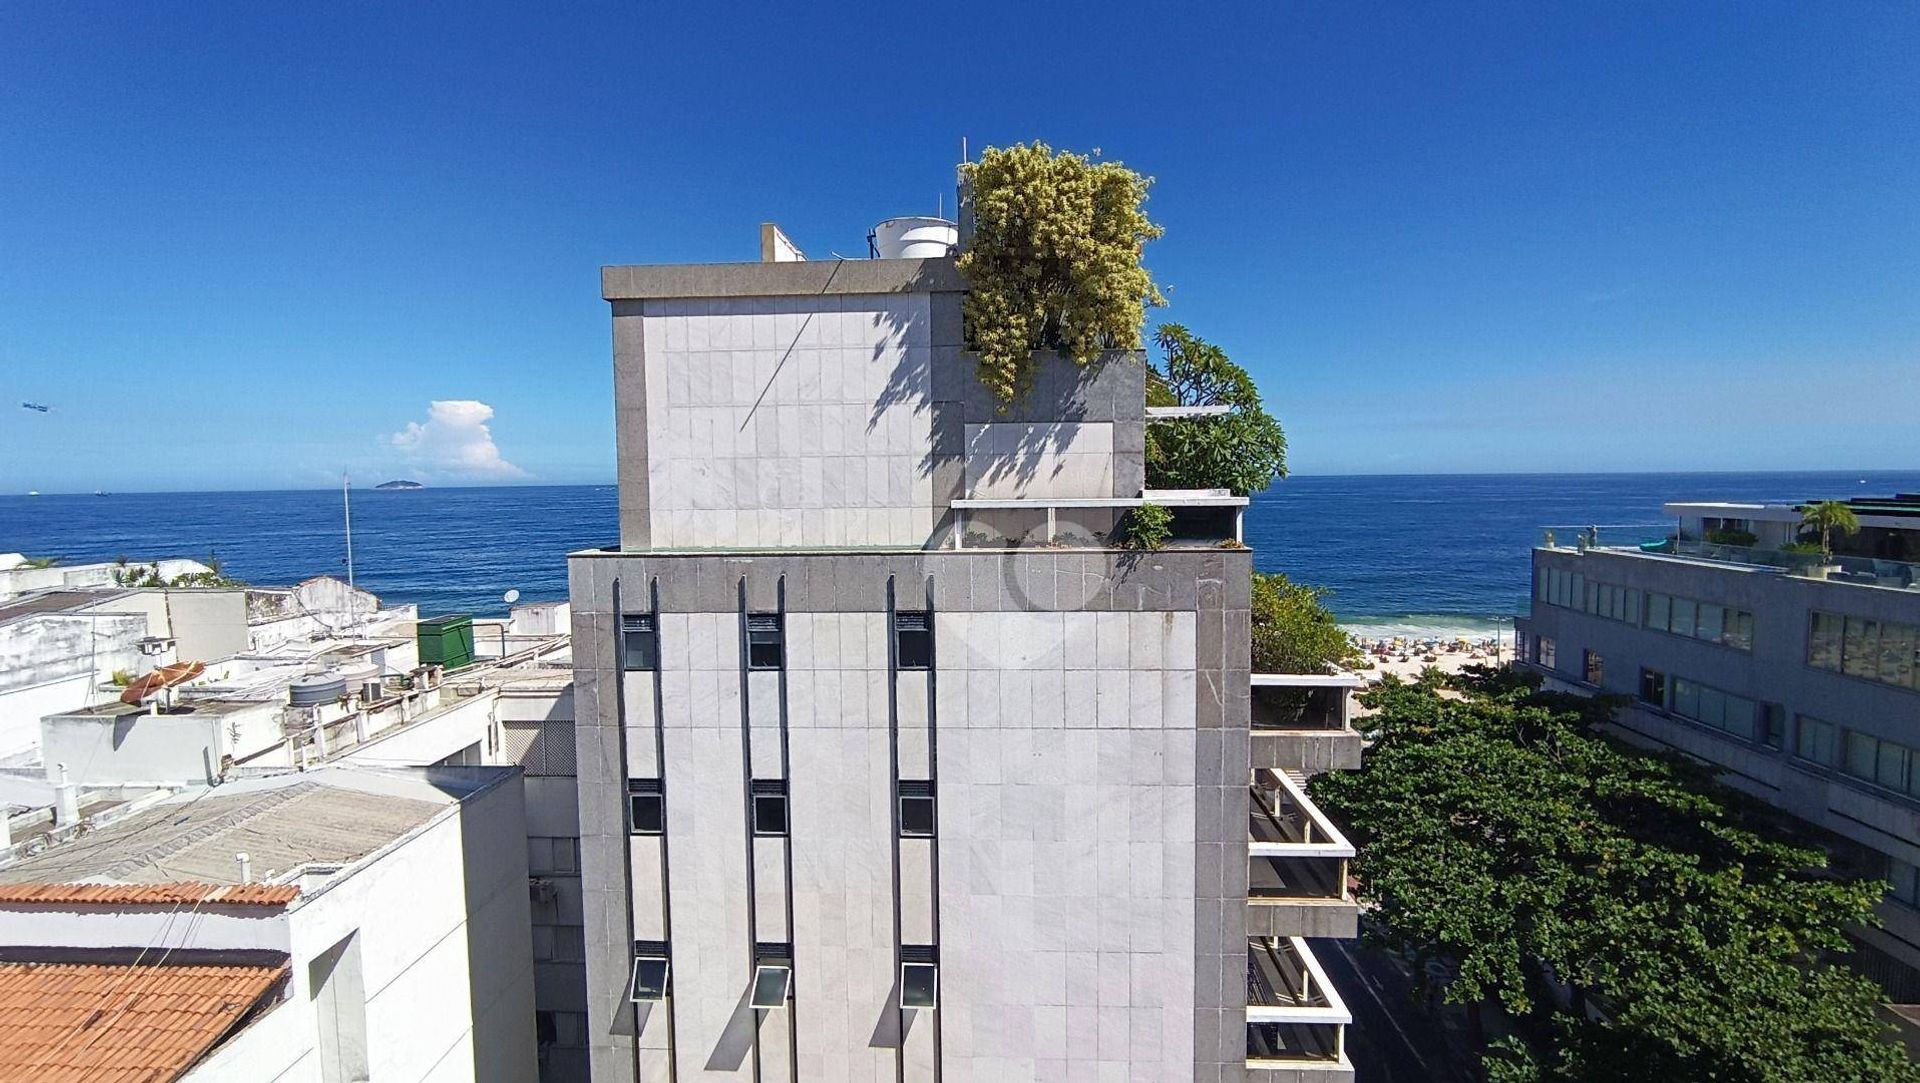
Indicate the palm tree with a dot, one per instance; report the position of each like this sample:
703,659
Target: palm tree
1826,517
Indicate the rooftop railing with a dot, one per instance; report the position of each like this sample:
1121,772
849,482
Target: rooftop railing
1837,568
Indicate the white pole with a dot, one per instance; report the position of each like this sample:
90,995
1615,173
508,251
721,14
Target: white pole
346,501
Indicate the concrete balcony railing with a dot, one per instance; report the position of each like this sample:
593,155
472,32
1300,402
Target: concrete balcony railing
1202,518
1297,864
1296,1021
1302,722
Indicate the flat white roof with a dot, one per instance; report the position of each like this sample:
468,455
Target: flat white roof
1342,679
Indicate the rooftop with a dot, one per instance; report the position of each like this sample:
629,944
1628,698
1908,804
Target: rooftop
55,601
331,816
121,1023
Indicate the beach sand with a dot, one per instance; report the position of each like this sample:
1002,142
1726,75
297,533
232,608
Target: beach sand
1405,657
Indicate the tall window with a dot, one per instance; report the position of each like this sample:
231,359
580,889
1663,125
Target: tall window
769,806
646,807
916,808
641,640
652,974
766,641
1813,741
1653,687
1594,666
913,640
1546,651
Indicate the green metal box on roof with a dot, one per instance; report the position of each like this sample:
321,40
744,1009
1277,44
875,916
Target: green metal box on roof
446,641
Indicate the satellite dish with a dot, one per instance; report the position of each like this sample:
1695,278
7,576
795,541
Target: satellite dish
511,596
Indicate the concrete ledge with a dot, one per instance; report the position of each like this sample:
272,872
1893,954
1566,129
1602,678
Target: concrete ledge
808,278
1340,1071
1307,752
1319,919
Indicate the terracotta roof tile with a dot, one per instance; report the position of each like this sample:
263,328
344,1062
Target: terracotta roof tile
188,891
120,1024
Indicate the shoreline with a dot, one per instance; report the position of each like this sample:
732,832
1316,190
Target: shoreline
1405,647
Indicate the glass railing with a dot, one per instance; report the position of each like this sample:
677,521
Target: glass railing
1867,570
1613,536
1839,568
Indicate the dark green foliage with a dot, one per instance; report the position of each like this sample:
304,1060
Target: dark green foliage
1293,632
1149,526
1743,538
1244,451
1501,833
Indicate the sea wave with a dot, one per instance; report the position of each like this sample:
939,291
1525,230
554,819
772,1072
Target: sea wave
1427,626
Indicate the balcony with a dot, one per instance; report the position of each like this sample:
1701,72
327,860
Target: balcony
1202,518
1297,864
1302,721
1296,1022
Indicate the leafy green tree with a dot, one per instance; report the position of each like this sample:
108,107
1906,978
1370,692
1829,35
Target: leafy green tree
1827,518
1054,260
1244,450
1293,631
1500,834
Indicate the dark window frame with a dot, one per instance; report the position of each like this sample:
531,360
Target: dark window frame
913,639
768,801
766,641
640,642
919,796
646,804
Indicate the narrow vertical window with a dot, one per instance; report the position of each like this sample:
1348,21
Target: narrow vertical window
641,640
913,640
770,807
652,973
766,641
772,976
646,807
916,809
1596,667
919,977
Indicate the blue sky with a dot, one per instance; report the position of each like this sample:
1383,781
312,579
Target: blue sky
248,245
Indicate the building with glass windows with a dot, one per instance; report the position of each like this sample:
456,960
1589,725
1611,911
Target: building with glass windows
1796,673
893,762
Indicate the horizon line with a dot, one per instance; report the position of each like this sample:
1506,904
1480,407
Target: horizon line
609,484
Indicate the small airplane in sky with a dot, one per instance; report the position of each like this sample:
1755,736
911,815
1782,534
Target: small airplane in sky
36,406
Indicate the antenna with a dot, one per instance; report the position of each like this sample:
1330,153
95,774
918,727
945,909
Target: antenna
346,502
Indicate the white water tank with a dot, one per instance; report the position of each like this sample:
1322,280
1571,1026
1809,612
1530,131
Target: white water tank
914,238
315,689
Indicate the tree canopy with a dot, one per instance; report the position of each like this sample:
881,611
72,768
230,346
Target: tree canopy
1244,450
1054,260
1293,632
1552,868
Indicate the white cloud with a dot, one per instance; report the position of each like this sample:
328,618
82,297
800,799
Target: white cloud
455,442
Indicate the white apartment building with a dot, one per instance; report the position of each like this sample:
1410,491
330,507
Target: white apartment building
893,764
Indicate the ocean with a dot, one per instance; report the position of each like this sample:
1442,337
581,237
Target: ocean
1399,553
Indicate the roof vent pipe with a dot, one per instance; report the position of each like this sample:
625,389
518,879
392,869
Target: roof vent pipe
246,867
66,800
